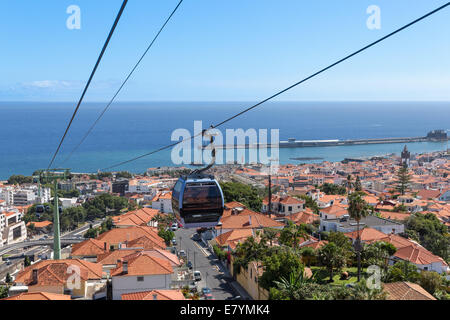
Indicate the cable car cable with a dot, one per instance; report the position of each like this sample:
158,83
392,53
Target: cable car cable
123,83
116,21
290,87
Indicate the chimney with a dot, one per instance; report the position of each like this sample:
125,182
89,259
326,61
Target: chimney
35,276
155,296
104,246
250,220
125,267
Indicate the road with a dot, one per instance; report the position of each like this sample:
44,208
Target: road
206,263
66,238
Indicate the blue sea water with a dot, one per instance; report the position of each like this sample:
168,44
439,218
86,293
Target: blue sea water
30,132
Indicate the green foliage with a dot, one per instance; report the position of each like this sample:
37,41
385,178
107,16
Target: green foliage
309,255
291,234
3,292
74,193
279,264
219,252
403,180
330,188
332,257
27,261
19,179
310,203
8,278
402,271
378,253
247,195
167,235
430,281
430,232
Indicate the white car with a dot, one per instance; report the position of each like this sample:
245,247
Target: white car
197,275
174,227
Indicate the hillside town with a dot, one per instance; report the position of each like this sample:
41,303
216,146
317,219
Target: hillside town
359,229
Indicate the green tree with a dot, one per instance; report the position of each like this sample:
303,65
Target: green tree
403,180
332,257
19,179
27,261
246,194
280,264
8,278
3,292
270,235
291,234
308,255
357,209
358,185
430,232
167,235
329,188
402,271
430,281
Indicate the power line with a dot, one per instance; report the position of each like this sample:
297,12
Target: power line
292,86
123,83
122,8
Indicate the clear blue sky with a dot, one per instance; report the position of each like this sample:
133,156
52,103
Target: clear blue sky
223,50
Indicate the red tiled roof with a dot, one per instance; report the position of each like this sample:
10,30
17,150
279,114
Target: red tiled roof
155,295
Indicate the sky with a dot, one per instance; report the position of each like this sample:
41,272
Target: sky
229,50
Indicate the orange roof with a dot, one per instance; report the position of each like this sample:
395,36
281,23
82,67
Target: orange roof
141,264
39,296
335,210
89,247
418,255
399,216
135,218
316,244
155,295
55,272
367,234
120,235
39,225
406,291
233,235
248,221
112,257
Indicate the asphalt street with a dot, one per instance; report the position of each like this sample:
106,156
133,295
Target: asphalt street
206,263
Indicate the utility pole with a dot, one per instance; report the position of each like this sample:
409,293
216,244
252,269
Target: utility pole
55,176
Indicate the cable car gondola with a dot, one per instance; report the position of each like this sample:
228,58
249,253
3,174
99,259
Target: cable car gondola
197,201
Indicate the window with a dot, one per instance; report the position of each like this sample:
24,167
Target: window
289,208
140,279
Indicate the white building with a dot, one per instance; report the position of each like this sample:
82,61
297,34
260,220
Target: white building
140,272
163,202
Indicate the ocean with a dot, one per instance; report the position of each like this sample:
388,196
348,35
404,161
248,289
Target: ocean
30,132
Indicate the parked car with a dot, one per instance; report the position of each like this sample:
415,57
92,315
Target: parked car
197,275
206,290
189,265
174,241
234,298
174,226
182,253
196,237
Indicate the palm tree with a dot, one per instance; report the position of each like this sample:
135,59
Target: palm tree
349,183
357,209
270,235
